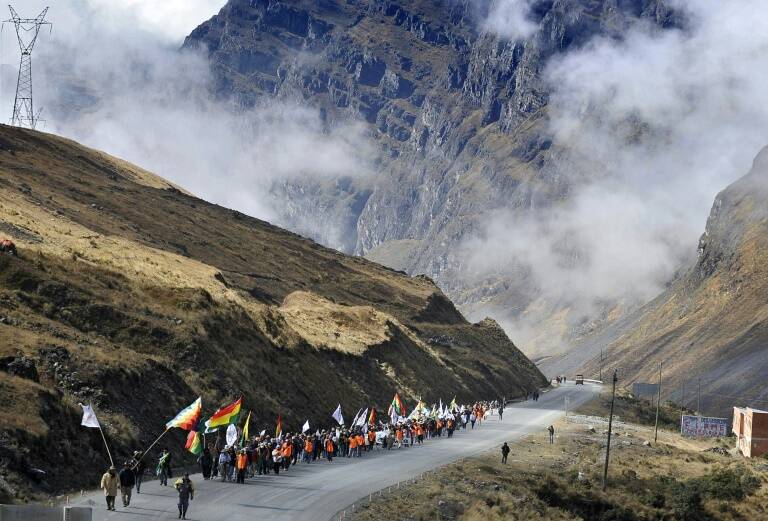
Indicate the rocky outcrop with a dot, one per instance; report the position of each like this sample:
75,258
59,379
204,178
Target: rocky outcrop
458,115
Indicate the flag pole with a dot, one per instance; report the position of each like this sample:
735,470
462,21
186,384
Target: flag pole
109,453
144,453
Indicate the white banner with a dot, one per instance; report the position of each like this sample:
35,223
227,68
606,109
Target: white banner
89,417
703,427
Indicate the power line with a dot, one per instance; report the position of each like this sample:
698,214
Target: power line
27,30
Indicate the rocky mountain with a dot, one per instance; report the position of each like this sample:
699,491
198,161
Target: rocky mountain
134,295
711,325
458,115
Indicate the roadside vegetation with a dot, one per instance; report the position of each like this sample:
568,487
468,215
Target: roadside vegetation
675,479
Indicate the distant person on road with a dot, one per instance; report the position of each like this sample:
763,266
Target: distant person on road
551,430
472,419
186,494
504,453
242,465
501,413
109,483
127,481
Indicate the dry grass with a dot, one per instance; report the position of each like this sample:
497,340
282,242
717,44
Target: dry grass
542,481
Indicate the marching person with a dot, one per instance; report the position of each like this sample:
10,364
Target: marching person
223,462
206,462
164,467
186,494
241,464
551,430
127,481
139,466
109,483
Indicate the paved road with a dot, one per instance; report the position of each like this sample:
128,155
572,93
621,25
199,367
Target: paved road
318,491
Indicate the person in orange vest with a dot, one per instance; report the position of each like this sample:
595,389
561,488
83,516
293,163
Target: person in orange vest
241,463
287,451
360,444
352,445
400,436
309,448
419,433
329,449
371,439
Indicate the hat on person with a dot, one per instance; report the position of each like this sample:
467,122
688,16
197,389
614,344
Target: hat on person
112,467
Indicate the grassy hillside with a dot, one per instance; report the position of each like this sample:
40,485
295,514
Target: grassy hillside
134,295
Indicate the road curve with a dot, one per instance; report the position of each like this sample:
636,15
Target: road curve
318,491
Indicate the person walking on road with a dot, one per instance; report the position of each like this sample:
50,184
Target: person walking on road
139,466
504,453
186,494
127,481
206,462
164,467
109,483
551,430
223,462
501,413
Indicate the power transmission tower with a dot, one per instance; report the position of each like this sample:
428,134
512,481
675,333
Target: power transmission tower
27,30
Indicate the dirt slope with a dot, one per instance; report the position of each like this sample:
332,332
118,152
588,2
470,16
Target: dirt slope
712,323
138,297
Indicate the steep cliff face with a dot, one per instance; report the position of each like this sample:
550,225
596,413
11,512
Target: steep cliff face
458,116
712,323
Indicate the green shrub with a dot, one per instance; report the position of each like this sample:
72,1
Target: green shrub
729,483
686,501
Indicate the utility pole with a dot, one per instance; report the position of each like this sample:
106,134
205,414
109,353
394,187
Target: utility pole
601,365
698,399
658,406
682,397
610,428
27,30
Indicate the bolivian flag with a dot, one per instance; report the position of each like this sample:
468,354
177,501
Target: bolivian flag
225,415
193,444
188,418
372,416
279,427
397,405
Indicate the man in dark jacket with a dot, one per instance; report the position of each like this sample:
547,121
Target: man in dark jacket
127,481
504,452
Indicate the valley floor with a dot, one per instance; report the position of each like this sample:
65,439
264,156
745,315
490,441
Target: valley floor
674,479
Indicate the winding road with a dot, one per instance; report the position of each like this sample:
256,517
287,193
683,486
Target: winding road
318,491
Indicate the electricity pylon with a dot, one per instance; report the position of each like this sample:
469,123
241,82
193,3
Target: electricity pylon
27,30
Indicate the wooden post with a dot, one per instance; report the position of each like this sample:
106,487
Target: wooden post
658,405
610,425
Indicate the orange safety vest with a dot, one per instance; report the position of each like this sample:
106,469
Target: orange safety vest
287,449
242,461
329,446
371,436
419,431
353,442
308,446
400,434
360,440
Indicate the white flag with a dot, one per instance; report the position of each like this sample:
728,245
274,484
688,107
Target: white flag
89,417
231,435
354,420
306,427
337,415
363,419
392,415
262,433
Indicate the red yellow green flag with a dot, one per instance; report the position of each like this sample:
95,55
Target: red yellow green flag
372,416
193,444
279,428
397,405
225,415
188,417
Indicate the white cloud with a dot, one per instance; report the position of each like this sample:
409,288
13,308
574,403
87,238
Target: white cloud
510,19
657,124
